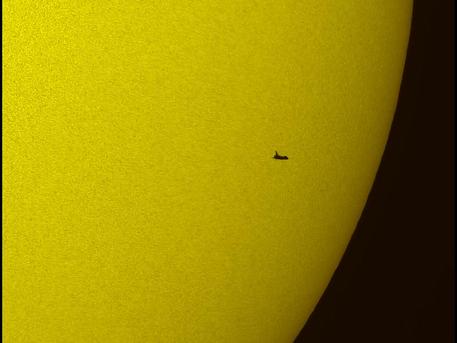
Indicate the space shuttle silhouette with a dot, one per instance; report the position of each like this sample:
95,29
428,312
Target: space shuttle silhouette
279,157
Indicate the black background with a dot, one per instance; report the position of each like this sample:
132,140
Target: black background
395,282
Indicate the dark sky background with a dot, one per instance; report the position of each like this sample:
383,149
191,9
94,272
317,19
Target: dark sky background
395,282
